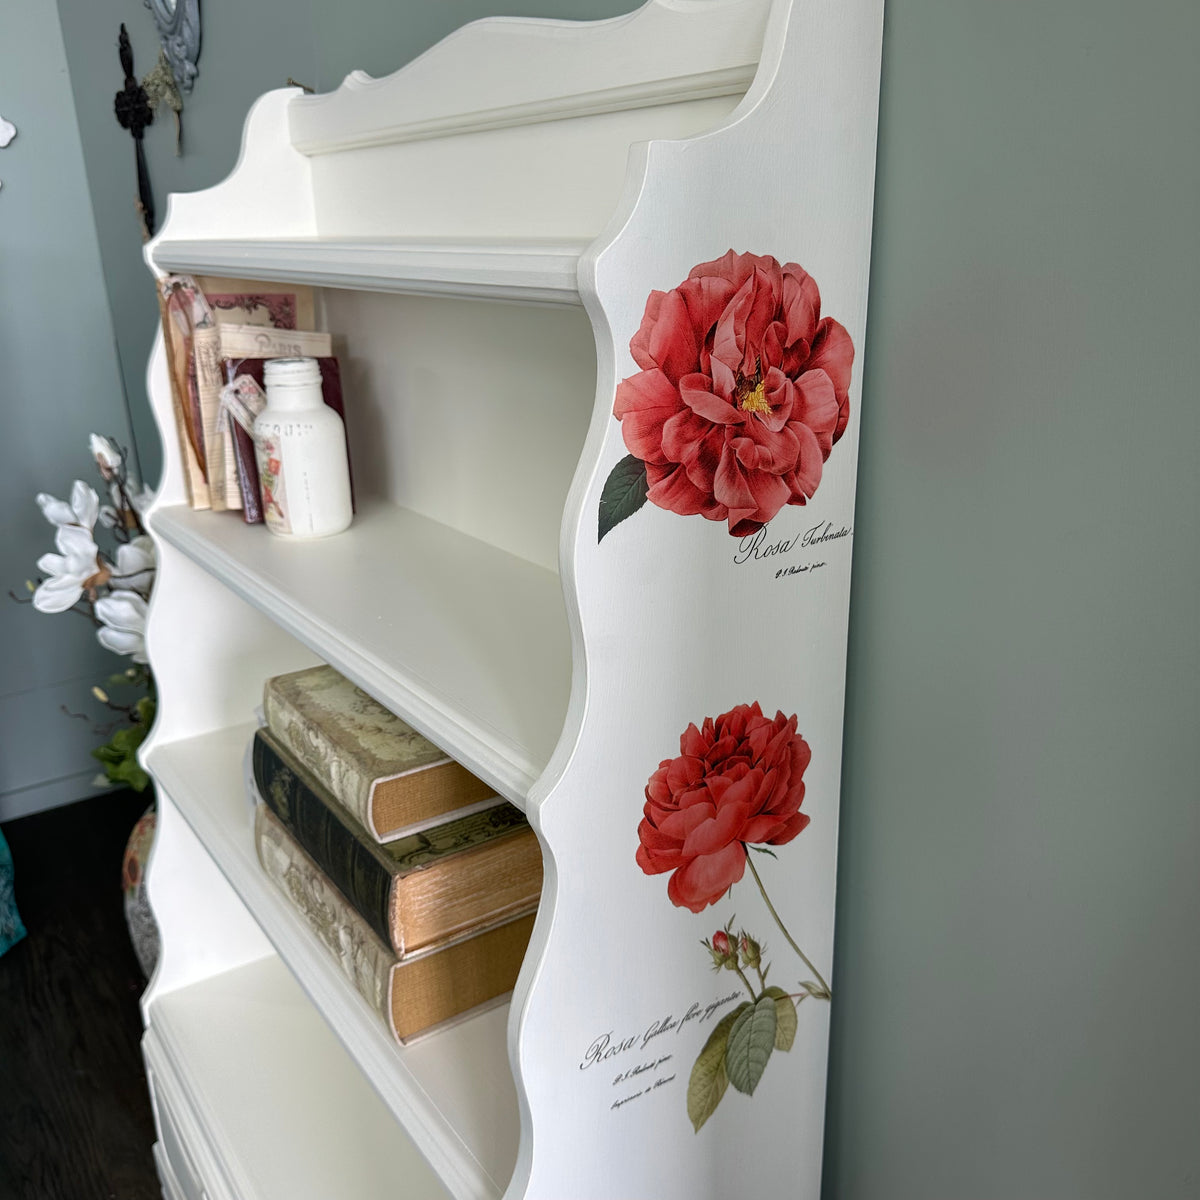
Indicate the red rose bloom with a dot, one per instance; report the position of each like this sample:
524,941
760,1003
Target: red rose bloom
743,391
737,780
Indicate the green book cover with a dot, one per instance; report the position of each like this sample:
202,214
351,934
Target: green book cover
363,870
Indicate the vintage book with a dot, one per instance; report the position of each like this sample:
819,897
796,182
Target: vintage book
177,310
240,303
421,889
411,992
220,466
382,770
243,441
258,302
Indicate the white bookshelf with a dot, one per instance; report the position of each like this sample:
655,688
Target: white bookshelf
486,230
237,1058
451,1090
482,668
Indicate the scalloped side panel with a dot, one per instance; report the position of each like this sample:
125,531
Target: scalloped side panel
650,1064
267,194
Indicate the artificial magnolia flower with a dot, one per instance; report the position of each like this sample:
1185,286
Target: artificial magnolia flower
134,568
110,517
124,616
72,569
82,510
109,459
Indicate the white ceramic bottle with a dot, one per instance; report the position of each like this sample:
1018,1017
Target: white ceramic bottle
300,444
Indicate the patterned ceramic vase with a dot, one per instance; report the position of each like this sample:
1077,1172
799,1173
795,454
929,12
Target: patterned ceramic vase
143,932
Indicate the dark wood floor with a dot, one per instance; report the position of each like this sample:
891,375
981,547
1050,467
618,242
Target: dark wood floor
75,1121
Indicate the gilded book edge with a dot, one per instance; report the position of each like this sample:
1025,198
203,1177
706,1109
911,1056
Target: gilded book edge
364,961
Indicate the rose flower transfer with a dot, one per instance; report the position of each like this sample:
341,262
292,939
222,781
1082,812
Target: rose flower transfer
742,394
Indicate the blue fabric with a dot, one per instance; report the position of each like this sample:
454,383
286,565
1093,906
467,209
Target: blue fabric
11,929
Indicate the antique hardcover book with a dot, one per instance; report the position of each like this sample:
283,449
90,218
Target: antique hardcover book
420,889
385,773
177,310
411,992
240,303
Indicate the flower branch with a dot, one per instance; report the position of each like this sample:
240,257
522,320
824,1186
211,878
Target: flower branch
110,587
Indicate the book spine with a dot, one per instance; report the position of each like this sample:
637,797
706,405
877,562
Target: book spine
218,441
319,754
178,357
247,469
338,850
363,958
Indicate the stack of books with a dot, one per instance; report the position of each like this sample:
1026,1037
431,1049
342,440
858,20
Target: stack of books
420,882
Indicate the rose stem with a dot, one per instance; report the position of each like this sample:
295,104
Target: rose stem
745,981
828,995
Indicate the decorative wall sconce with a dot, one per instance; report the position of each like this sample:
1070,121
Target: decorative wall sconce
8,131
178,24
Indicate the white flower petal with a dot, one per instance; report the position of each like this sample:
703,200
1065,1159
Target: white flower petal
108,516
78,545
122,610
120,641
135,556
57,512
85,504
142,582
52,564
107,456
57,595
141,499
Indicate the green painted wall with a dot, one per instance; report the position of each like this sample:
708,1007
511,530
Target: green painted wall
1016,953
58,383
1019,896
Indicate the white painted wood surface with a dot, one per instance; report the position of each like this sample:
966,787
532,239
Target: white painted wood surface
452,1090
561,164
791,176
257,1080
521,270
468,642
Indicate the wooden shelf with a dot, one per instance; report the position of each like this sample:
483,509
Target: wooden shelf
452,1090
542,272
244,1051
468,643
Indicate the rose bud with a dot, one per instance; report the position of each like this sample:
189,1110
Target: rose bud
722,951
750,950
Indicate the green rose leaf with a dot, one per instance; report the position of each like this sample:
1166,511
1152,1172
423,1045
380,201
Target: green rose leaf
624,493
751,1040
709,1080
785,1018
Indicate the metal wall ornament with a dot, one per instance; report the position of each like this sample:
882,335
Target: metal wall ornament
133,112
178,24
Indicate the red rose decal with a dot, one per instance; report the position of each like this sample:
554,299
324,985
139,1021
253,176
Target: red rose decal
743,391
738,780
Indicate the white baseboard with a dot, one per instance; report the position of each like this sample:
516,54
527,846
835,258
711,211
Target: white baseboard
22,802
